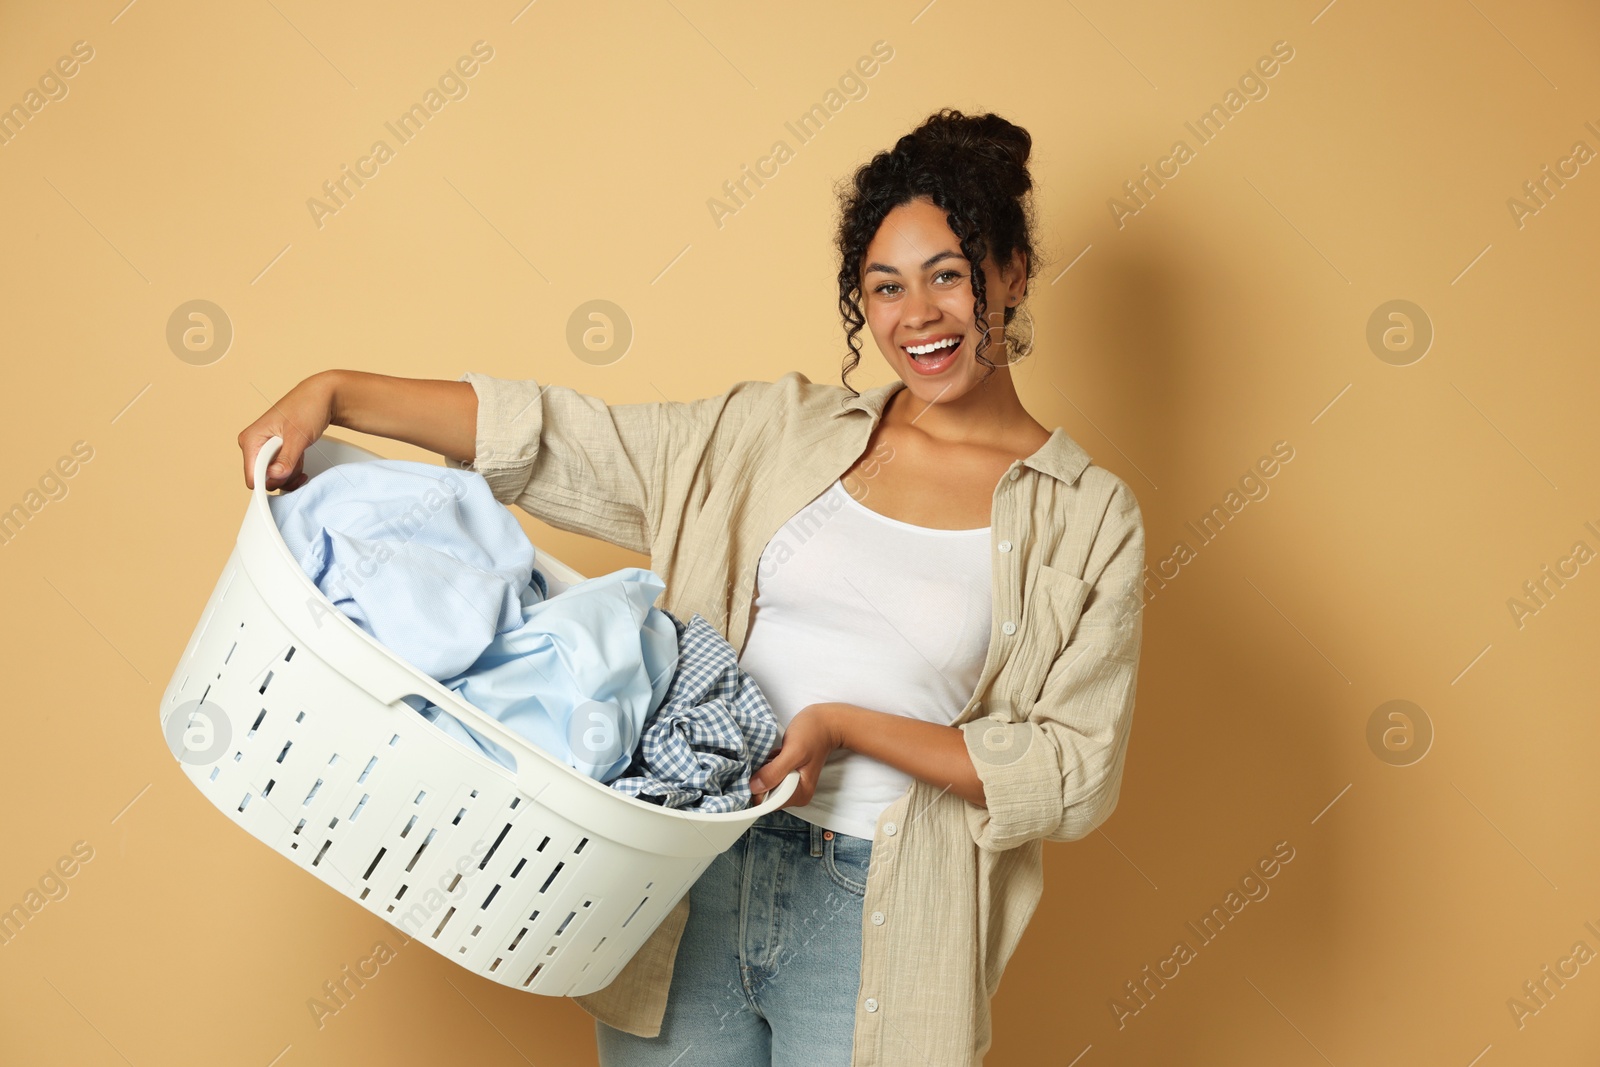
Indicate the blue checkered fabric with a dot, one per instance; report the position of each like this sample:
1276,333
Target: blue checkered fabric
709,734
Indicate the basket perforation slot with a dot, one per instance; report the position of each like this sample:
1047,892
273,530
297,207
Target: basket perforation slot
359,805
322,851
437,930
268,787
555,871
531,977
635,911
373,865
420,794
497,840
514,802
579,849
214,772
333,759
543,843
451,888
562,928
265,682
457,820
409,825
229,656
401,891
285,751
371,763
488,898
289,655
496,964
245,801
393,741
420,847
475,931
314,787
301,825
515,941
257,724
518,868
597,945
300,717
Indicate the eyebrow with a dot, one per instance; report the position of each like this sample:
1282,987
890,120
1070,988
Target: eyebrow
883,268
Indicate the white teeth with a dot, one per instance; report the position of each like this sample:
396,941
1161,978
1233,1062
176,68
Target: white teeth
922,350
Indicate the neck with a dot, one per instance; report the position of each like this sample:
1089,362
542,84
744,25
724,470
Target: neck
988,413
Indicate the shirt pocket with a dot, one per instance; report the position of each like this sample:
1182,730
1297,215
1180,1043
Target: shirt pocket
1058,605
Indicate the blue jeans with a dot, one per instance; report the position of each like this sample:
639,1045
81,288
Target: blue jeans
769,967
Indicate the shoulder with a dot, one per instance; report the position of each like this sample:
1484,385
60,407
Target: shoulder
1121,504
791,397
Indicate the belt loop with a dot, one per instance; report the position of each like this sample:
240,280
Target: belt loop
816,838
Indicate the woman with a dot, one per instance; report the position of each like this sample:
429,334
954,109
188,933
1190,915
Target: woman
939,596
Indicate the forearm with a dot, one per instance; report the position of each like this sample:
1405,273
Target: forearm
440,416
925,750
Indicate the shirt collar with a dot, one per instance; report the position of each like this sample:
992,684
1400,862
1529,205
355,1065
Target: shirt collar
1060,457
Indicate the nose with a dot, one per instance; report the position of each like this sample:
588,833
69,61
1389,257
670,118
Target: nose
916,309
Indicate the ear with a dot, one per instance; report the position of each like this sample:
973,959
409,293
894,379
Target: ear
1015,277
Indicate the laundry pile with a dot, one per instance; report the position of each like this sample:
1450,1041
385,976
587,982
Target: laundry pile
425,560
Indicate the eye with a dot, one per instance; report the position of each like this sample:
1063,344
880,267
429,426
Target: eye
951,273
885,285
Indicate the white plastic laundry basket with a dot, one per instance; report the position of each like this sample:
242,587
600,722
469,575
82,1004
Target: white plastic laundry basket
289,718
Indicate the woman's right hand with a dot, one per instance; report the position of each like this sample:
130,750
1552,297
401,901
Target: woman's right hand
300,418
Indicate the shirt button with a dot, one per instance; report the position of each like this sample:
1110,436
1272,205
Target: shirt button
1016,472
1005,546
877,918
872,1004
1008,628
888,828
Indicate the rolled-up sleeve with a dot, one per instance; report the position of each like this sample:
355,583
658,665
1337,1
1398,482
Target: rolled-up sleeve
588,467
1057,774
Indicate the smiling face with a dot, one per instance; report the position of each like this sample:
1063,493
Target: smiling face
917,298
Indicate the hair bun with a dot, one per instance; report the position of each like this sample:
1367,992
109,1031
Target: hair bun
1004,144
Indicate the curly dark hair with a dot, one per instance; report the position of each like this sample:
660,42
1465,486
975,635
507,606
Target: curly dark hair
974,167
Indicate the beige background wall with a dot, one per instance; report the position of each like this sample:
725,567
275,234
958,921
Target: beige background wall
1229,313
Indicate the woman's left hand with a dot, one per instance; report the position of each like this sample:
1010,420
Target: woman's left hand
811,736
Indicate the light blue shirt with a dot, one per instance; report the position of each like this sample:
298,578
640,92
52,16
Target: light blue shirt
425,560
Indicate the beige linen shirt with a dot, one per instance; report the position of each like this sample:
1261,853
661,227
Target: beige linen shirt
701,487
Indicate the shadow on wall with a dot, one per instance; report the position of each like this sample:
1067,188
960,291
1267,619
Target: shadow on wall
1220,734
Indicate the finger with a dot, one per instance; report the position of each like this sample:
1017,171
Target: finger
249,448
779,765
802,792
283,465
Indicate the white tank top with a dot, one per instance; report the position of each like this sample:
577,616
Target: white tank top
857,607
